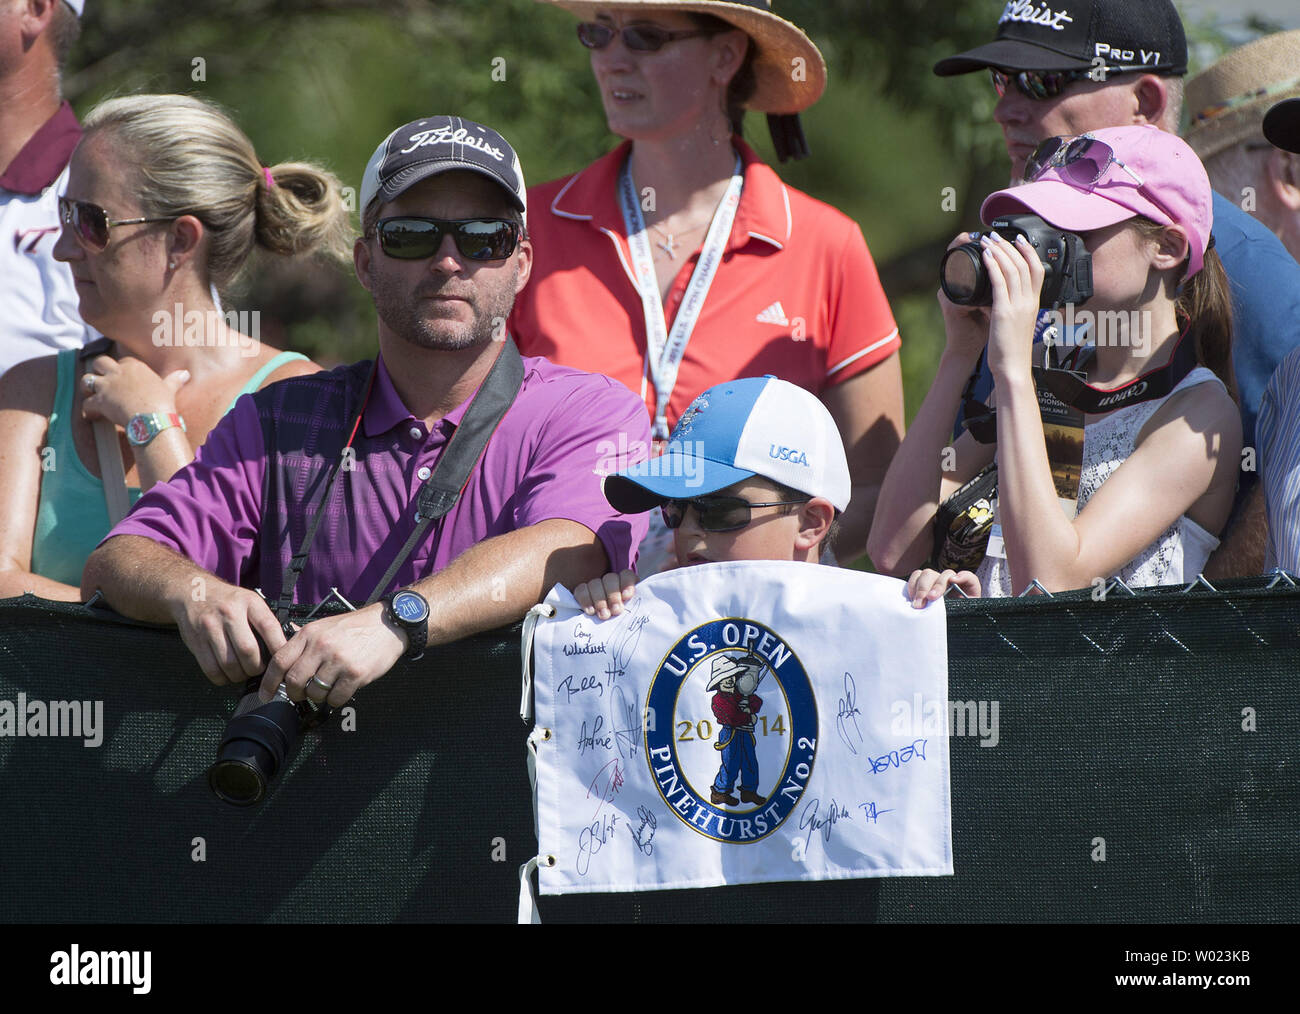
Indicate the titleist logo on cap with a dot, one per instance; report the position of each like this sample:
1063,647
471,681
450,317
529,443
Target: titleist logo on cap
1036,14
445,135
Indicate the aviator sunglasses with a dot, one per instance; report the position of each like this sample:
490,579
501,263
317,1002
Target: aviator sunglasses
409,238
90,223
1041,85
1083,161
639,38
718,513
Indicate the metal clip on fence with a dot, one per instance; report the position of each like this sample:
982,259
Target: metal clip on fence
1281,575
1031,586
1118,582
1200,579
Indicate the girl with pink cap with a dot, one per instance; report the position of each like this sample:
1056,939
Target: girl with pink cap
1161,431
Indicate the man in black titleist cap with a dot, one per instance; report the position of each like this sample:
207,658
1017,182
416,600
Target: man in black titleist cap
1064,67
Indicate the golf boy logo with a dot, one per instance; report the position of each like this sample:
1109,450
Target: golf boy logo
737,754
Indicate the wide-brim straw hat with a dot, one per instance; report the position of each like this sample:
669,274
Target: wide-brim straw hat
1226,102
789,68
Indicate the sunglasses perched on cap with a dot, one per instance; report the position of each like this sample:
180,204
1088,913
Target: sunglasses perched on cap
90,223
410,238
1083,161
718,513
1041,85
639,38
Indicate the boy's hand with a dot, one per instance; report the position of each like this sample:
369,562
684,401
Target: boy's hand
604,597
924,586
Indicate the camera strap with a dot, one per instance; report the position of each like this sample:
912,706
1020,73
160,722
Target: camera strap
441,491
1077,393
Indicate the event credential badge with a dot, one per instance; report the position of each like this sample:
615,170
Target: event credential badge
740,722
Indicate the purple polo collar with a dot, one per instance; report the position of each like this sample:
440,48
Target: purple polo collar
44,155
386,408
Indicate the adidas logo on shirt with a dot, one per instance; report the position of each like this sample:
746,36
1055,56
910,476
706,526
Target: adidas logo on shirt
774,314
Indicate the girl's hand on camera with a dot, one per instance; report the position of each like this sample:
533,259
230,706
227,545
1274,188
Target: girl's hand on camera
1016,277
967,327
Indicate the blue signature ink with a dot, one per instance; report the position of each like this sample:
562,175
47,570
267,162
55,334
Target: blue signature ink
623,644
590,742
625,723
643,840
591,839
897,758
869,809
584,683
847,709
581,643
810,820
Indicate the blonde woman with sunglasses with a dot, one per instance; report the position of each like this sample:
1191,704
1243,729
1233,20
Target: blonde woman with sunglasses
166,200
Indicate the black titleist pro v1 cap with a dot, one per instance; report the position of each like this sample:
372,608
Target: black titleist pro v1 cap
439,144
1071,34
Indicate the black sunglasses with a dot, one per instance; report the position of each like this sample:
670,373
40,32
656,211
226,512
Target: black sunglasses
718,513
1041,85
639,38
410,238
90,223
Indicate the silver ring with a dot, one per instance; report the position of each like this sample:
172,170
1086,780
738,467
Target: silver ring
88,382
324,686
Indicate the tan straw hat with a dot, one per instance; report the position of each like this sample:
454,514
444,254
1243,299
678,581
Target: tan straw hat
1227,101
790,70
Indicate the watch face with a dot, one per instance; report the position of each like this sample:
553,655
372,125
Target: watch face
410,607
138,430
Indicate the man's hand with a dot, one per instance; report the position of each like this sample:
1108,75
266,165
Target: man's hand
332,658
222,631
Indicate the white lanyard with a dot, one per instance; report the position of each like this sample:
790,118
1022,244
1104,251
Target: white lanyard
663,350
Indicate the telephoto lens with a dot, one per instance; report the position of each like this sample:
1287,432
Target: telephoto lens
1067,265
258,738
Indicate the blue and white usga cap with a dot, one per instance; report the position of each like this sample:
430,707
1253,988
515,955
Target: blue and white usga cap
440,144
732,432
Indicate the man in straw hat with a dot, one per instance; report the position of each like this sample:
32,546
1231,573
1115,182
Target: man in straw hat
680,261
1279,415
1226,105
1089,64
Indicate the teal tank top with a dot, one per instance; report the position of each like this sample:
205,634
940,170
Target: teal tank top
72,518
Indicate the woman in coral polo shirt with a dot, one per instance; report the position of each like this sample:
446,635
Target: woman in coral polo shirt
680,260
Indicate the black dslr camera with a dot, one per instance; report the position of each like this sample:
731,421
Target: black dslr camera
258,739
1067,264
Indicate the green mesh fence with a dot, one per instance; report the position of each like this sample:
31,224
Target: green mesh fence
1145,770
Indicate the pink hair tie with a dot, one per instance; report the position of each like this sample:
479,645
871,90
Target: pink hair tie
270,180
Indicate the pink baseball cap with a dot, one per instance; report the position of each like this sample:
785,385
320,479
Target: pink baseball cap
1174,189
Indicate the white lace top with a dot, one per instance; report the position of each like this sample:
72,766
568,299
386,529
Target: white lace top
1179,554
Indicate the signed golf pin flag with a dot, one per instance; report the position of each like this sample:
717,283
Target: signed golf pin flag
741,722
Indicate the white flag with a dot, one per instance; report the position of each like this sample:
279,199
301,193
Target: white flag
738,723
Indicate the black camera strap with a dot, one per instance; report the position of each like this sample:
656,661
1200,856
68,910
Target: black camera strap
441,491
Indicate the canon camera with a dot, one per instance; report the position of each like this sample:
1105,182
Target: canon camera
1067,264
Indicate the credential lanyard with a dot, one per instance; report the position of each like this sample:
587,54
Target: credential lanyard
664,350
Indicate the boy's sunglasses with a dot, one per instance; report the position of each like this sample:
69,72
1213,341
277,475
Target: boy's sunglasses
1041,85
90,223
639,38
478,239
718,513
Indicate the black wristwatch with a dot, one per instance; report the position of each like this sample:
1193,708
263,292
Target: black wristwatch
410,611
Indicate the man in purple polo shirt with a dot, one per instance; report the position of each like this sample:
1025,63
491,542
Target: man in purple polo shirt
443,255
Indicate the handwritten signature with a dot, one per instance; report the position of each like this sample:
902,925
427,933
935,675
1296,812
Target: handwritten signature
605,785
625,722
897,758
622,645
845,722
592,838
810,820
585,683
590,742
581,644
643,840
870,811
